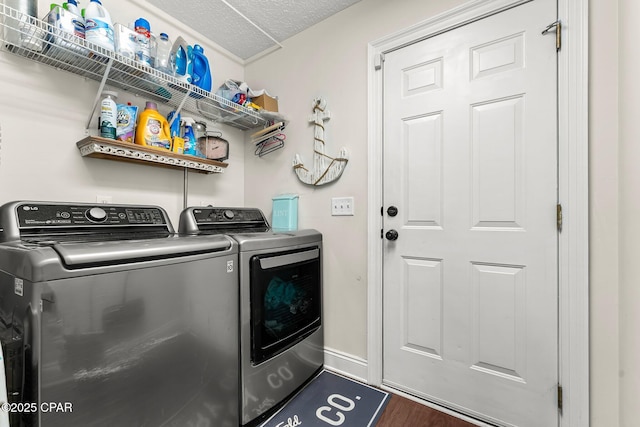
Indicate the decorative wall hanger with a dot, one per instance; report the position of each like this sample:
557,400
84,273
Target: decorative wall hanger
326,169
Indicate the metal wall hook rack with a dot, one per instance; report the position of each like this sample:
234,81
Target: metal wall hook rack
269,139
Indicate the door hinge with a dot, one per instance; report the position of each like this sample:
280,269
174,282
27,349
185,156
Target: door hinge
558,26
560,398
559,217
377,61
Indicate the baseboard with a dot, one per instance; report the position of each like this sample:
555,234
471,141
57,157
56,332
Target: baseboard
346,364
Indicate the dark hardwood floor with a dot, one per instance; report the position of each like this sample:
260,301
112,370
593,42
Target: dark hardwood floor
403,412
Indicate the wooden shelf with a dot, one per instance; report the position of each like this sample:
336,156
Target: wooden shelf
102,148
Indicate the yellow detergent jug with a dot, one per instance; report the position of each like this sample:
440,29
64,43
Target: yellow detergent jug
153,129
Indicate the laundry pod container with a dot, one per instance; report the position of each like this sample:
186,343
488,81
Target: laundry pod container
285,212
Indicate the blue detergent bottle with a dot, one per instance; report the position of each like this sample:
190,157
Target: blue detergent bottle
181,59
200,72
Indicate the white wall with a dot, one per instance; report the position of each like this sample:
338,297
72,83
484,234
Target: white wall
43,113
330,60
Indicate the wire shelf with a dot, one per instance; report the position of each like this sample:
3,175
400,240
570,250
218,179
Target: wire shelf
39,41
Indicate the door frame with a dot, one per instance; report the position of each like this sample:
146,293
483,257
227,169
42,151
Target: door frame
573,191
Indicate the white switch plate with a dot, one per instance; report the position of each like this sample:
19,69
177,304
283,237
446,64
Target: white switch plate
342,206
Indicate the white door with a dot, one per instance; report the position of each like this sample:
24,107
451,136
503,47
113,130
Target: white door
470,163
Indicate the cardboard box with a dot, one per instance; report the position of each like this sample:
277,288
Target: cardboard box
266,102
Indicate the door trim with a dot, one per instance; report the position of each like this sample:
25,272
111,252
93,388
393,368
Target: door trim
573,191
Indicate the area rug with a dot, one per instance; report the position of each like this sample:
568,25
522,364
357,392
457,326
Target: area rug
332,400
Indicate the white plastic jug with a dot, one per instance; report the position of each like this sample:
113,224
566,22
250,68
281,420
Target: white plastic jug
98,25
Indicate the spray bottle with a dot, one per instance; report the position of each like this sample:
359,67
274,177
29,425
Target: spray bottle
190,143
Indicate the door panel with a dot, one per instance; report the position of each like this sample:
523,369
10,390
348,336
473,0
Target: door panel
470,160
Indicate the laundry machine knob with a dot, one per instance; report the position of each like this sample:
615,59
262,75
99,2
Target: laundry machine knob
96,214
228,214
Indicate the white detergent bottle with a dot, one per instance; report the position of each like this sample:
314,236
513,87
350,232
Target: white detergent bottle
108,115
78,21
98,25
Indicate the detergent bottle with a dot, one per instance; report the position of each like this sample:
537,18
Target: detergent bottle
181,60
77,20
153,129
98,25
200,72
108,115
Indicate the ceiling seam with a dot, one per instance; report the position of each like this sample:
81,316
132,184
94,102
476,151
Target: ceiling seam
252,23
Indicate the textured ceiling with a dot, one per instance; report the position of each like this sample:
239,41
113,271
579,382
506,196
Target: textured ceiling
219,22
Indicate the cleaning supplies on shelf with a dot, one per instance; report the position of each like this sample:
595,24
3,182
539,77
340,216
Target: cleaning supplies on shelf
143,41
153,129
108,115
98,26
126,41
72,6
126,122
163,60
65,19
177,145
200,72
174,123
181,60
177,141
70,19
190,142
153,47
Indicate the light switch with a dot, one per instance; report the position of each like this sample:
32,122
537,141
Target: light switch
342,206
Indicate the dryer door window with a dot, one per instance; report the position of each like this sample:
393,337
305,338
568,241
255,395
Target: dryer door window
286,291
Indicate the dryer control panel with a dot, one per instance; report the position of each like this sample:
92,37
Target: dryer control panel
222,220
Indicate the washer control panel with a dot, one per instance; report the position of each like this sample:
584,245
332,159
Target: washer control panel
78,215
